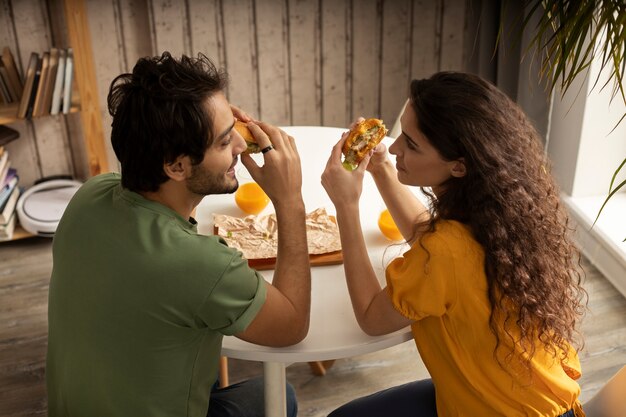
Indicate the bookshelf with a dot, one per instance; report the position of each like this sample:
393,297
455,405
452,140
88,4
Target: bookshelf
8,113
79,38
19,233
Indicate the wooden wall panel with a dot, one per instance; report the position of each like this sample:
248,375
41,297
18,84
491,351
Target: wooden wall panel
107,40
120,35
272,39
7,30
43,149
206,30
452,29
169,24
241,54
335,61
75,145
290,61
22,152
304,56
133,26
366,52
426,40
396,58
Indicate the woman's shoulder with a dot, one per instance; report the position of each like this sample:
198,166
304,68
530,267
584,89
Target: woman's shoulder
449,236
451,231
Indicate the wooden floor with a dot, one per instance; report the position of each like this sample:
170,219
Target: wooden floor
25,268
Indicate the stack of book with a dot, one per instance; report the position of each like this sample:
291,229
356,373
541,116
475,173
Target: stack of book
9,194
46,88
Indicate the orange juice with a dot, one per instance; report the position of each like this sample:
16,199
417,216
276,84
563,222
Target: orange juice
251,198
388,226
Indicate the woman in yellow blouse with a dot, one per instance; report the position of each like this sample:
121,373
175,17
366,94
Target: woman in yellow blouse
491,285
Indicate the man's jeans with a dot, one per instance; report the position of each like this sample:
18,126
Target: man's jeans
246,399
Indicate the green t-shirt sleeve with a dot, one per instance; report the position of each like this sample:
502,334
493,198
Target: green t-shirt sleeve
235,299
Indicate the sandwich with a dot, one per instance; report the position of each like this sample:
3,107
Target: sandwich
245,133
362,138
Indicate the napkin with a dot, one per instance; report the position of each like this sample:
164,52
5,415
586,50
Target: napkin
257,236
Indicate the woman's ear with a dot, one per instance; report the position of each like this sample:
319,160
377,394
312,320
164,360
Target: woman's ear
178,169
458,168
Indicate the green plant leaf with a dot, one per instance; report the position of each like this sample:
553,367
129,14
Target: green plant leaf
612,191
611,194
569,36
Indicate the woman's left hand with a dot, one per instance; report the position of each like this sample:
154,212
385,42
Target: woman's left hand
342,186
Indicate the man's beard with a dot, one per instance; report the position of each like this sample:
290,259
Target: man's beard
203,182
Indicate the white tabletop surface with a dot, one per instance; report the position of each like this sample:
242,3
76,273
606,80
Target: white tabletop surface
334,332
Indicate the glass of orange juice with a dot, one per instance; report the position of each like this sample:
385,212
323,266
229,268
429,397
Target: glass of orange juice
251,198
388,227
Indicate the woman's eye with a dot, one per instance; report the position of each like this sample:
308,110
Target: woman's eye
409,144
227,140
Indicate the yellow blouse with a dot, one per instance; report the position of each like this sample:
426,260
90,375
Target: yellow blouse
444,289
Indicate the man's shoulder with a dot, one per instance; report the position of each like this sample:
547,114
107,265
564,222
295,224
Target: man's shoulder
209,250
108,178
99,183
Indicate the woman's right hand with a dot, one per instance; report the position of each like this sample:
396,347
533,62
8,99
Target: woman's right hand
379,156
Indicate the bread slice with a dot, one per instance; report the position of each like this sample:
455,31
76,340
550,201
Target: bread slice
245,133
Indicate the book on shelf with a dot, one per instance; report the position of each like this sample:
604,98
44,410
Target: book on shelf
30,85
11,173
57,91
7,189
43,82
7,210
6,230
46,101
7,135
67,83
5,93
13,74
4,167
7,85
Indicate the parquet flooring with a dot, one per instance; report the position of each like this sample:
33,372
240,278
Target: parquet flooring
25,268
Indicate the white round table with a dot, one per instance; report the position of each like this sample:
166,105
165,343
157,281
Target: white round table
334,332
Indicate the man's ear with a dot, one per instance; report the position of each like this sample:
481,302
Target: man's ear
458,168
179,169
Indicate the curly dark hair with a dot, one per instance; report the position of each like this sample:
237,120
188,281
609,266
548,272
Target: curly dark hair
511,203
159,113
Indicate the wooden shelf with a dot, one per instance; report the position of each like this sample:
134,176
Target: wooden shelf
87,88
18,234
85,101
8,113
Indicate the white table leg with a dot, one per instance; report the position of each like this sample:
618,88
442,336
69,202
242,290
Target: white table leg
275,395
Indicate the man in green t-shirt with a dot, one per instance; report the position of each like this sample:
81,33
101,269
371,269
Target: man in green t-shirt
139,301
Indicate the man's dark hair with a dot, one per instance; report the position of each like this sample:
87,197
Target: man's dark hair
159,114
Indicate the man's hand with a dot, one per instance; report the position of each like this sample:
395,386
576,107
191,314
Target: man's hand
284,318
281,175
241,115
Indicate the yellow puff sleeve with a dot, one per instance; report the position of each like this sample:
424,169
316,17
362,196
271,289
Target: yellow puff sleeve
422,282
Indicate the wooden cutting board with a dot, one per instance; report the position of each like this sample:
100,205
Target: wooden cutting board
331,258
